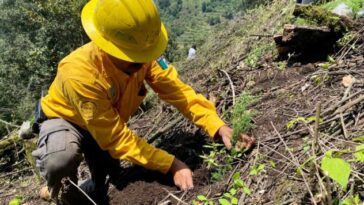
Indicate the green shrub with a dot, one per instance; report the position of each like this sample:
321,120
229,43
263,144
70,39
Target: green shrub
242,117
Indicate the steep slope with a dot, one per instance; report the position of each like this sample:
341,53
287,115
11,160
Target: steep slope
280,170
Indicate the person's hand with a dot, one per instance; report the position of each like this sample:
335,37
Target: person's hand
226,134
182,175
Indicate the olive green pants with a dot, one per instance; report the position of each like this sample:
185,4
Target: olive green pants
61,148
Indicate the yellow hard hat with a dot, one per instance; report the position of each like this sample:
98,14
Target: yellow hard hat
130,30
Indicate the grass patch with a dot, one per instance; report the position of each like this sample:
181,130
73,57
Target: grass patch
257,53
242,117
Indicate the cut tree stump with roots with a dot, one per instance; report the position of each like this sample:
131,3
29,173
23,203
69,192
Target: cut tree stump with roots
313,33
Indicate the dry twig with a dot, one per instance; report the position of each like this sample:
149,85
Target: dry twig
84,193
296,163
231,84
175,197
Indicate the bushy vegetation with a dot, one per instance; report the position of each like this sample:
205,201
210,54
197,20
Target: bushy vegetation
242,116
34,36
189,20
355,5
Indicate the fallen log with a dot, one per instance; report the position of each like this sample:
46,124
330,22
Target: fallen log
9,143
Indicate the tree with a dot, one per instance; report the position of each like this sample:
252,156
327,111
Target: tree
228,15
163,4
34,36
213,20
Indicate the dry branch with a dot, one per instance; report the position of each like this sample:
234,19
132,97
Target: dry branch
296,163
9,124
231,84
9,143
349,105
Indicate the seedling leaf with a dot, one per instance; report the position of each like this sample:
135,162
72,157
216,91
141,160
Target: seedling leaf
359,153
358,139
236,176
337,169
16,201
234,201
247,190
224,202
351,200
201,198
233,191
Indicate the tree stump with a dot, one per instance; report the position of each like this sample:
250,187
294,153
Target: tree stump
316,39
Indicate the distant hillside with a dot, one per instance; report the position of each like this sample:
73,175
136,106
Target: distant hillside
189,21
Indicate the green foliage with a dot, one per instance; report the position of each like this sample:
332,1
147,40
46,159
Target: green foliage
351,200
330,166
304,120
34,36
163,3
213,20
282,65
359,153
320,17
241,116
358,139
228,15
190,21
346,39
257,53
202,200
16,201
303,22
255,170
230,197
220,160
355,5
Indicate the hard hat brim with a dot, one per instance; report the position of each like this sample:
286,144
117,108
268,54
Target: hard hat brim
141,56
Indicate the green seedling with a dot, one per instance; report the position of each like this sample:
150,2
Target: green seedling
16,201
359,153
282,65
329,166
304,120
242,117
351,200
202,200
358,139
255,170
230,197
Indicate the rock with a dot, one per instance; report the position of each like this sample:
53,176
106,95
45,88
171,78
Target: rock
26,131
308,68
343,10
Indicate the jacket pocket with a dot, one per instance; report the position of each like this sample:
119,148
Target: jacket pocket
56,141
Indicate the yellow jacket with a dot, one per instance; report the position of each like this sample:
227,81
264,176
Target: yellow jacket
91,92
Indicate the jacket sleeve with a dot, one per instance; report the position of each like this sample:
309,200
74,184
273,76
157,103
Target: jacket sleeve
168,86
111,133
